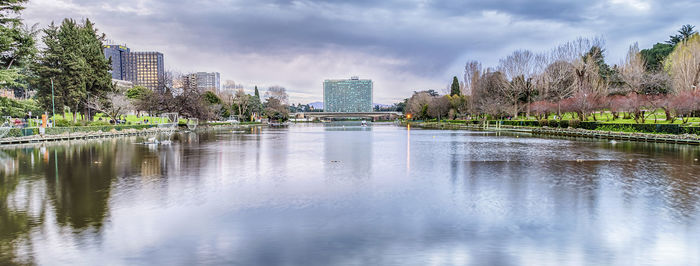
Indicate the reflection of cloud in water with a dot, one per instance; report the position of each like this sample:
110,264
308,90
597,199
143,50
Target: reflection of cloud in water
277,197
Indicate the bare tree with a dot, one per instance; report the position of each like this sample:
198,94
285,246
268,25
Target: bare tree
519,68
113,104
241,100
418,104
633,69
472,73
487,97
279,93
439,107
684,64
558,82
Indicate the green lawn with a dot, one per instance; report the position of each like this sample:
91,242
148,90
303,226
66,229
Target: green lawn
657,117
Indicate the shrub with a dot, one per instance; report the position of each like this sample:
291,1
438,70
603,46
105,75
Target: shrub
544,122
574,123
63,123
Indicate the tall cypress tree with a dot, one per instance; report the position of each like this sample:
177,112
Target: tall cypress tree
454,89
257,102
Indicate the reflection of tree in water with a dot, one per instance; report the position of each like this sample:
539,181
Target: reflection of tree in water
80,190
16,218
674,181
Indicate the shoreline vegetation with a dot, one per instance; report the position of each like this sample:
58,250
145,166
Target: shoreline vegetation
31,135
654,90
685,135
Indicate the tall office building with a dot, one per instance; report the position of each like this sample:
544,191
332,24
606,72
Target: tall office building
140,68
208,81
348,95
116,53
144,68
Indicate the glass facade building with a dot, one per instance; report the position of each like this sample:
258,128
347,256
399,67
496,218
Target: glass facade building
116,53
352,95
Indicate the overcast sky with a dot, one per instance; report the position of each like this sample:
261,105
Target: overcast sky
402,45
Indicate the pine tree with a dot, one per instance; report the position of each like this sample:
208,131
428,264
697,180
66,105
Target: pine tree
98,80
74,70
74,60
48,67
8,8
17,45
454,89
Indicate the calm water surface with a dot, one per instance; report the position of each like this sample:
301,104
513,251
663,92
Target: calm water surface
329,195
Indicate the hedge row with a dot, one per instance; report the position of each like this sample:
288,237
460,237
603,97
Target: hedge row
62,130
651,128
19,132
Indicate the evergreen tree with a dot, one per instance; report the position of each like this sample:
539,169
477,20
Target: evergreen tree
48,67
98,79
17,45
454,89
596,54
256,103
655,56
9,7
74,60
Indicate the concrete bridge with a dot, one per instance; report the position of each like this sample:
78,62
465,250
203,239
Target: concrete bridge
370,115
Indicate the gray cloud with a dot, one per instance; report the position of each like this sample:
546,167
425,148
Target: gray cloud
402,45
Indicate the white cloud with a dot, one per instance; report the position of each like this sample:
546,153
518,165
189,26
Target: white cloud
403,46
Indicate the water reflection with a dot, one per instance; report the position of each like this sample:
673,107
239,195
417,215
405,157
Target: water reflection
345,194
347,151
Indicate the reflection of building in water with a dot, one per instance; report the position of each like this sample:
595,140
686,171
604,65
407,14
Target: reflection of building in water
150,166
160,161
346,153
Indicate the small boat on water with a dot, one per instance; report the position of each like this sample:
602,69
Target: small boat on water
364,123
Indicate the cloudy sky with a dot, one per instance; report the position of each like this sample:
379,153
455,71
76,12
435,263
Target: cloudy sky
402,45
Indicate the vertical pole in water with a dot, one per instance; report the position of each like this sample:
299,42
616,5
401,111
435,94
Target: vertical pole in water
55,160
53,107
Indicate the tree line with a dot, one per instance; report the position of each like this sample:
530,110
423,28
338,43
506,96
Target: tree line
574,77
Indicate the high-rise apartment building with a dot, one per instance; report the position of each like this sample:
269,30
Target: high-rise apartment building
189,82
208,81
116,53
348,95
145,69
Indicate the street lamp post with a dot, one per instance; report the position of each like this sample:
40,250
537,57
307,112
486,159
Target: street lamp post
88,106
53,107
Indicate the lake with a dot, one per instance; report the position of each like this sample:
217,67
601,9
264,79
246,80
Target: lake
342,194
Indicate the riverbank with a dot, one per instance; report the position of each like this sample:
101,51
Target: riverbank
79,133
690,139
